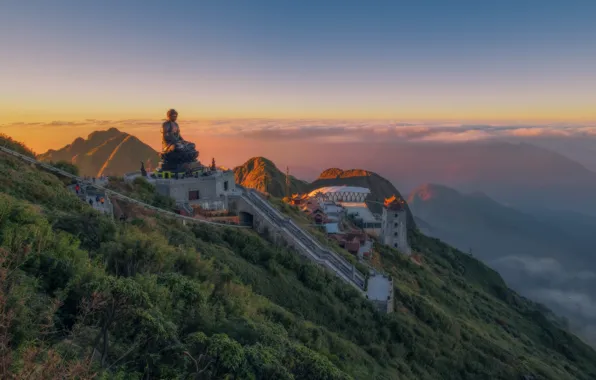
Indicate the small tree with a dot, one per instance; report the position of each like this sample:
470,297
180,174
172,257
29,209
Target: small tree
66,166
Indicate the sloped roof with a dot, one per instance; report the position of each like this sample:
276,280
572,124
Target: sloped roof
395,203
332,228
361,209
339,189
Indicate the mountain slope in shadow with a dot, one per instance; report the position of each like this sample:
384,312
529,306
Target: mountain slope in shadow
545,255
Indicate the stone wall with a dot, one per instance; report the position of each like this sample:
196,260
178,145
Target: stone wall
213,190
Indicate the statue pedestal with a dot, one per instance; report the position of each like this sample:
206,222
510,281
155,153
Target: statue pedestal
178,161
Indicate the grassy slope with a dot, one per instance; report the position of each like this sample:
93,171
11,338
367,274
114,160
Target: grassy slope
280,315
460,297
306,223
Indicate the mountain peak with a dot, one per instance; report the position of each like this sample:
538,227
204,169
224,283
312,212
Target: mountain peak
262,174
430,191
339,173
106,134
106,152
260,161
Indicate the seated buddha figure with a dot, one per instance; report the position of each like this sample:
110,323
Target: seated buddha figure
175,152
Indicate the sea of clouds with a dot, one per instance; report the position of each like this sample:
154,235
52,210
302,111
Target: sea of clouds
333,130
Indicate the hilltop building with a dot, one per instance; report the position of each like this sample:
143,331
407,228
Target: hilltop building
330,205
362,217
340,194
340,201
394,232
298,199
207,189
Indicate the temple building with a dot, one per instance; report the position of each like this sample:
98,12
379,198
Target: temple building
207,189
362,217
298,199
394,231
340,194
182,177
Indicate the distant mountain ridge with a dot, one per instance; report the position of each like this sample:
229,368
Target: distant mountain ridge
488,227
109,152
519,174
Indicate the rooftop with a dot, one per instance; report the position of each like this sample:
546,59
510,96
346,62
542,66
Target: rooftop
361,209
394,203
378,287
339,189
332,228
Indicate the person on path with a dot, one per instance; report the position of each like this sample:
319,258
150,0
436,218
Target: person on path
97,198
101,200
77,188
91,202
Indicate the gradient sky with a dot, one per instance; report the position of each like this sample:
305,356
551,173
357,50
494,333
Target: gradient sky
460,60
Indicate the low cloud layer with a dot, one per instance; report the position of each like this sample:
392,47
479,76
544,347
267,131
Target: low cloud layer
577,142
568,292
336,130
541,267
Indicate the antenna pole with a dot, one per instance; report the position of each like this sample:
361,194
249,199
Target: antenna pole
287,181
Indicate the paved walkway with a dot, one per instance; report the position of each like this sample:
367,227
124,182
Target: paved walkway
98,205
89,195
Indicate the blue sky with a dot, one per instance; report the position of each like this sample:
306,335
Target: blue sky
465,60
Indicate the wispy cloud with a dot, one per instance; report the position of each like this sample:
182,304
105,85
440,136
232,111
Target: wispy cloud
541,266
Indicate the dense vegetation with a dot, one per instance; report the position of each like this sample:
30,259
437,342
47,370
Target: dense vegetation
82,295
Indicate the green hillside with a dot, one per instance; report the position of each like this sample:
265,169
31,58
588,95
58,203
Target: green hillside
109,152
81,294
262,174
515,243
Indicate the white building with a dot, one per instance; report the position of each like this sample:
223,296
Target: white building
340,193
209,190
363,217
333,210
394,230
